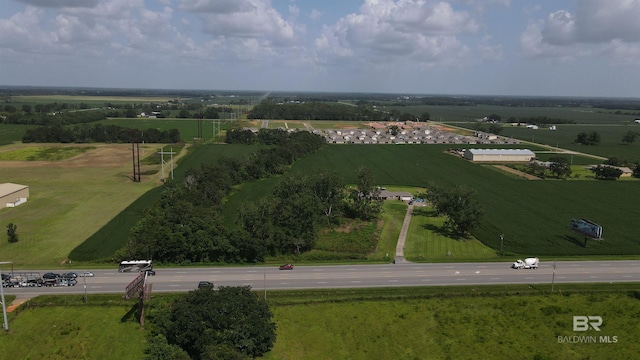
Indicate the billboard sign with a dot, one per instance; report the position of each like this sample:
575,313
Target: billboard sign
587,228
134,286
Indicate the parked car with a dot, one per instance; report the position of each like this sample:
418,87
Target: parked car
286,267
87,274
50,276
69,275
205,285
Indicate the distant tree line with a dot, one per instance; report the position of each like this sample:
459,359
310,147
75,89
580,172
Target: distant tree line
99,133
539,120
58,118
316,111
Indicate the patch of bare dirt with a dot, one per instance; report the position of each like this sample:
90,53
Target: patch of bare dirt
517,172
101,156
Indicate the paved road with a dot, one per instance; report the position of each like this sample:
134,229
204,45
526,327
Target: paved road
354,276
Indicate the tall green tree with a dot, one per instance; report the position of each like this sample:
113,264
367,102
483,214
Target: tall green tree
12,233
560,167
233,318
630,136
459,205
366,196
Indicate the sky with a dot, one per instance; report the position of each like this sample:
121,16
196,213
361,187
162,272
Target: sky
457,47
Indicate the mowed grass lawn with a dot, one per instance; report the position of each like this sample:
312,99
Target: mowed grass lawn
73,332
426,241
69,200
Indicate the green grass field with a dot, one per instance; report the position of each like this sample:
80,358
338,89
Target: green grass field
524,326
463,322
73,332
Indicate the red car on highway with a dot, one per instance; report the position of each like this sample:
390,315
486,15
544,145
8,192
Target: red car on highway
286,267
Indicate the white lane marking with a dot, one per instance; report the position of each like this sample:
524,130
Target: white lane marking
528,278
174,285
562,277
477,272
592,277
355,281
321,282
495,278
627,276
461,279
393,280
426,279
284,283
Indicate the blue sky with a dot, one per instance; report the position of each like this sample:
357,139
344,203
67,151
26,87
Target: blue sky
475,47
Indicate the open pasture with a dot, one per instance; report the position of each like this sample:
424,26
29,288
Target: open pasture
448,113
188,127
69,200
533,215
525,324
564,137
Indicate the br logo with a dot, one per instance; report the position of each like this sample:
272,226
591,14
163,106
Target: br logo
583,323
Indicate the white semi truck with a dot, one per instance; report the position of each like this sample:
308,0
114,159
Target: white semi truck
528,263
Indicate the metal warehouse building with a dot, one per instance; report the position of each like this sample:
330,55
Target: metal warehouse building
12,195
499,155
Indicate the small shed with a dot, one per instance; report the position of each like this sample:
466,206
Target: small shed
12,195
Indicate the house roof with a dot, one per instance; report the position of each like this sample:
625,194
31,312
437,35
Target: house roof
501,152
10,188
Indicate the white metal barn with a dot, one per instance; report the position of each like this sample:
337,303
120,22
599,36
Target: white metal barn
499,155
12,195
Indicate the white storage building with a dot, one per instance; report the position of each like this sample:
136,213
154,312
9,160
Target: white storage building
499,155
12,195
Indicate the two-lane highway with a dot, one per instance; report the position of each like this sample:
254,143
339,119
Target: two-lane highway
352,276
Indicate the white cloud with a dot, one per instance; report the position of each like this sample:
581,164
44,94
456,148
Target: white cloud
559,29
61,3
418,30
315,14
606,28
218,6
603,21
21,33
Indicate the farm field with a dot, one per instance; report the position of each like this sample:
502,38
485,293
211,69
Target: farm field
533,215
611,144
188,127
92,101
445,113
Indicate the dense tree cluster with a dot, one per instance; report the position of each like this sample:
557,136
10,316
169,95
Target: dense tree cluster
606,172
316,111
560,167
48,119
227,324
186,223
99,133
592,138
630,136
461,208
